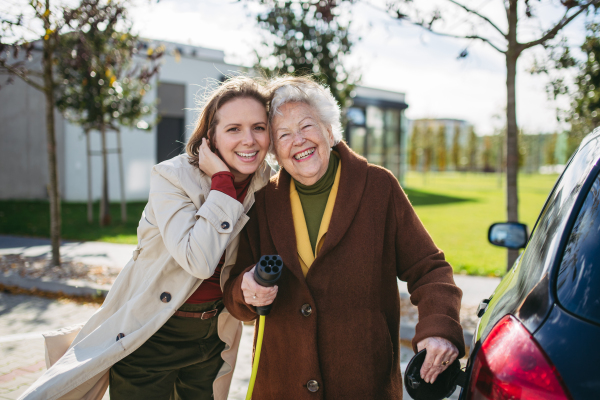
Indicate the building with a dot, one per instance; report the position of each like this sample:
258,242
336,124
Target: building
186,74
440,144
377,128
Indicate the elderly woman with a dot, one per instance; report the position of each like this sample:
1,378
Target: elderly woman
345,230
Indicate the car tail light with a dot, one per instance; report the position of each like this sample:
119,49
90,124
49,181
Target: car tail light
511,365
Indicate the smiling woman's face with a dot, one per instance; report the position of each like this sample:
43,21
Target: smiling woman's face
302,142
241,136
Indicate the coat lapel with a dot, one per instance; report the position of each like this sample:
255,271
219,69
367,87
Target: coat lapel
352,185
281,223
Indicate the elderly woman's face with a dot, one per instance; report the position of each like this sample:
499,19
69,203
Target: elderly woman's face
302,142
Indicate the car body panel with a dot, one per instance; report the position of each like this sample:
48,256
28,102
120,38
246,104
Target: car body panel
572,345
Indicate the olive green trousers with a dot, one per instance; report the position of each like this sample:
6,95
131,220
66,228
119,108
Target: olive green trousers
180,361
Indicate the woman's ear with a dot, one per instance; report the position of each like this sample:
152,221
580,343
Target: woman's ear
330,136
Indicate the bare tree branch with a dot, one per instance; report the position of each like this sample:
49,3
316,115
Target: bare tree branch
473,37
470,11
428,28
561,24
22,75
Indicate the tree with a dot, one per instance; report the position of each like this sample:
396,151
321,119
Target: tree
473,147
105,86
19,40
456,147
414,145
508,43
308,38
584,115
441,152
427,145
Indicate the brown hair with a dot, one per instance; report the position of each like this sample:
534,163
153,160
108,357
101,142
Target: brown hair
233,88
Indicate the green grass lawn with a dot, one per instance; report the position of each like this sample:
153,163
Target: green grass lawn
458,208
32,218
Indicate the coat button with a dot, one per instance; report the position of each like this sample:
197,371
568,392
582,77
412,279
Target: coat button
225,225
306,310
312,385
120,336
165,297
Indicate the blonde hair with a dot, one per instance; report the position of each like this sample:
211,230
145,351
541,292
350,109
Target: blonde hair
238,87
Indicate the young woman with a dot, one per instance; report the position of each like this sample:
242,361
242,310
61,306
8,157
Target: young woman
163,332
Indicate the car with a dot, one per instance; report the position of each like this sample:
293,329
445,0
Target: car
538,336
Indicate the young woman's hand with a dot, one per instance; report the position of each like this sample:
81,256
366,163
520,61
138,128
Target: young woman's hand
255,294
209,162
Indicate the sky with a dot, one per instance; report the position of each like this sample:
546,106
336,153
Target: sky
390,55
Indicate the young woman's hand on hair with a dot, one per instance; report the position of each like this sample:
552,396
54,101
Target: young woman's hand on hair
209,162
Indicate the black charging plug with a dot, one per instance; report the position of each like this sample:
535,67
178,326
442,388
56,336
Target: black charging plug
267,273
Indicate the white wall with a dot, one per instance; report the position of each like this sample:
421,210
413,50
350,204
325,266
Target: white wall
139,147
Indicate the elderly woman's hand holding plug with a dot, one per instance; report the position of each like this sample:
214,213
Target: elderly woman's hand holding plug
255,294
440,354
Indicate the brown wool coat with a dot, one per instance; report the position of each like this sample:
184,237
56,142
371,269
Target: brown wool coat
349,343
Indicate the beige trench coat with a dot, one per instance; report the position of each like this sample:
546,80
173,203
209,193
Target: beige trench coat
183,232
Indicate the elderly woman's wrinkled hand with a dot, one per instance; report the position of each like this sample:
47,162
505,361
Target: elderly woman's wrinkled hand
209,162
440,354
255,294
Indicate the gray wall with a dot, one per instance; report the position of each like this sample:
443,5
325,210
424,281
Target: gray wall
23,151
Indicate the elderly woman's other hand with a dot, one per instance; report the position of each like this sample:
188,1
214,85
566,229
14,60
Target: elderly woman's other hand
440,354
255,294
209,162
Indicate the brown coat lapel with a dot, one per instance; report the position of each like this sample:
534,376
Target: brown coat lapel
280,221
352,184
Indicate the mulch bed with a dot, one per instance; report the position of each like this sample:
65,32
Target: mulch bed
40,267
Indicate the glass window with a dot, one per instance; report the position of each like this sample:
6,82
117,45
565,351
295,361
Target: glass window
357,139
392,143
356,116
375,141
578,283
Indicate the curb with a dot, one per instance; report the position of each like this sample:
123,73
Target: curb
71,287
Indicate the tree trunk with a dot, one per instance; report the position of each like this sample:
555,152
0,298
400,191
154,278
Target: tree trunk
121,178
90,211
104,204
512,155
53,190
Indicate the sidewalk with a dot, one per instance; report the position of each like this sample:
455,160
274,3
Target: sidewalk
24,318
475,288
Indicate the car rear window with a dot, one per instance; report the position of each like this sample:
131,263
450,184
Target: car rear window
578,283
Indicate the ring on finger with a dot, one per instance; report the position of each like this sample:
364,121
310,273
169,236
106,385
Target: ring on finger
254,297
444,363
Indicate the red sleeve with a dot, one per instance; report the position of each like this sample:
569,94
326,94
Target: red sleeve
223,182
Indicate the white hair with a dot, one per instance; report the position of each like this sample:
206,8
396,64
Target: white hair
302,89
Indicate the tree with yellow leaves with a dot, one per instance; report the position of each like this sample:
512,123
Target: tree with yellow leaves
106,76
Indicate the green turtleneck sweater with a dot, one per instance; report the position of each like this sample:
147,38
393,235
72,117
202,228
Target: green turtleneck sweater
314,199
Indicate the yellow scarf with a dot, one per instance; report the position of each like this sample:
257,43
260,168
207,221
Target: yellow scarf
305,253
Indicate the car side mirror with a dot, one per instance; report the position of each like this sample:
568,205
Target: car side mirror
508,234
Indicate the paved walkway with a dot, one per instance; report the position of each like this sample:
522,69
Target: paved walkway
474,288
94,253
24,318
